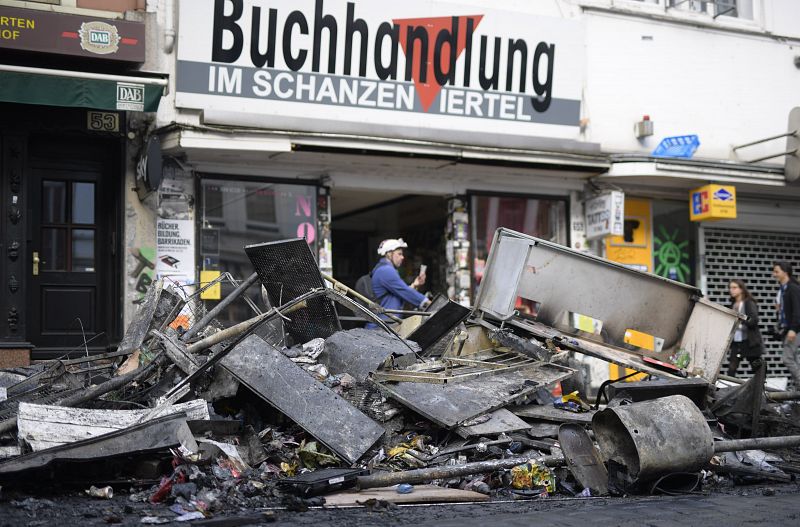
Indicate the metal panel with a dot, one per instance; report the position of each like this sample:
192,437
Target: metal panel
564,281
498,290
706,338
307,402
287,269
449,405
438,325
749,255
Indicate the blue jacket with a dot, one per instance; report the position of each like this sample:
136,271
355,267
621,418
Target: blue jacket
389,288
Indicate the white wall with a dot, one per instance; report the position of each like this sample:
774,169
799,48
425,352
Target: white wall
727,87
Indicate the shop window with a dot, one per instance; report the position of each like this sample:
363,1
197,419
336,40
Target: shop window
540,217
715,8
236,213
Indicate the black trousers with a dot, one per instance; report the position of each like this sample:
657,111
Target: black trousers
739,351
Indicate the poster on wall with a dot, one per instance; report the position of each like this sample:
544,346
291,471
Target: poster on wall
604,215
175,250
634,248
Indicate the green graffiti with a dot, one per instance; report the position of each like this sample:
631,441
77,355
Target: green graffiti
671,255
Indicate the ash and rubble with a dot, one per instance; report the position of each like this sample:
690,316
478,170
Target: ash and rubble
191,420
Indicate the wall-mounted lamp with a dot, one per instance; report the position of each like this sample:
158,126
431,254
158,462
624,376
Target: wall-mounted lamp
643,128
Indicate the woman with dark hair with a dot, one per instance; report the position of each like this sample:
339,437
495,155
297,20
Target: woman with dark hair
747,341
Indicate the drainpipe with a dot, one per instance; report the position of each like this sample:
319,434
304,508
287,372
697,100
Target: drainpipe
169,26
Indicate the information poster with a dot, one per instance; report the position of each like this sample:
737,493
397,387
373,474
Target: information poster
175,250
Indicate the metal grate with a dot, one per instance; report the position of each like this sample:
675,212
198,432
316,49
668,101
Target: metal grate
749,256
287,269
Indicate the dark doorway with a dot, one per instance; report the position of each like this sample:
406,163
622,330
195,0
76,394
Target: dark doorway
419,220
72,250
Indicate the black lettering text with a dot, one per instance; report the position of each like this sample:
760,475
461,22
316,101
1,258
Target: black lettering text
224,23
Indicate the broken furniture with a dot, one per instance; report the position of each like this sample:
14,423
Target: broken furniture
602,308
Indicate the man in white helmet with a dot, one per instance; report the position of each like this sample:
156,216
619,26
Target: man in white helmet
390,290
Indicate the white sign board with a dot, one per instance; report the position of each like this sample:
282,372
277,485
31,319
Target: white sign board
605,215
381,66
175,250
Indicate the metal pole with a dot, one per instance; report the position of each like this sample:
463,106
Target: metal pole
228,300
238,329
787,134
787,153
372,305
760,443
450,471
783,396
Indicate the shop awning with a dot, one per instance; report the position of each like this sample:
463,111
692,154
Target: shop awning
686,173
24,85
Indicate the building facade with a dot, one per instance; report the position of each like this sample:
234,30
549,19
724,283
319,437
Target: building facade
73,85
439,121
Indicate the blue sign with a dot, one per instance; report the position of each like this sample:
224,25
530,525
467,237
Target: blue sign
699,205
683,146
723,195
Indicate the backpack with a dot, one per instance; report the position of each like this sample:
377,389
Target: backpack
364,287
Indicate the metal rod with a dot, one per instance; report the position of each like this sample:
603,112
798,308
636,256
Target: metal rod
723,12
372,305
228,300
450,471
787,153
95,391
760,443
354,306
787,134
783,396
406,312
274,312
238,329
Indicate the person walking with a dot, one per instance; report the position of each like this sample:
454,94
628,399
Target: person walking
389,289
747,342
788,316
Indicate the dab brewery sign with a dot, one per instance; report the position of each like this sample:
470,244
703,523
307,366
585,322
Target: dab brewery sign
418,63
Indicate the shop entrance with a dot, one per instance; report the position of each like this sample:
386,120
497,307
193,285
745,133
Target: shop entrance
71,252
360,220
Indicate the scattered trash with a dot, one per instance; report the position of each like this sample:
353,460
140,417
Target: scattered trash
206,420
105,493
532,476
405,488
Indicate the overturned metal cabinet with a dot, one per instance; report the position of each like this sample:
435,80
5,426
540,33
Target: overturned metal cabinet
604,308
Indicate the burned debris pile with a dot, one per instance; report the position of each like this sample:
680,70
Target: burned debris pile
288,409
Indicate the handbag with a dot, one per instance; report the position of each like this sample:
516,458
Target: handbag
778,332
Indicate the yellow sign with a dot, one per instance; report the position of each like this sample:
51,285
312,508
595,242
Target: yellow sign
634,248
215,291
712,202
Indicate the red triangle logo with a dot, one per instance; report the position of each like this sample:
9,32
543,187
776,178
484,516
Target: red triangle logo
429,89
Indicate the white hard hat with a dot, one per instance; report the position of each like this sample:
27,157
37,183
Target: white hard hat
390,245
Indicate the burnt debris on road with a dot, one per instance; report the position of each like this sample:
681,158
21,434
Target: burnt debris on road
288,409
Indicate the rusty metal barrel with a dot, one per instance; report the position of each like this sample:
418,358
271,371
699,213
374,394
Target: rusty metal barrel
654,438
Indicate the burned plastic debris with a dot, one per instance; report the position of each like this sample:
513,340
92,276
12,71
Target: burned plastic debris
286,409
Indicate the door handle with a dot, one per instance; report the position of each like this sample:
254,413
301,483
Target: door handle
35,263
